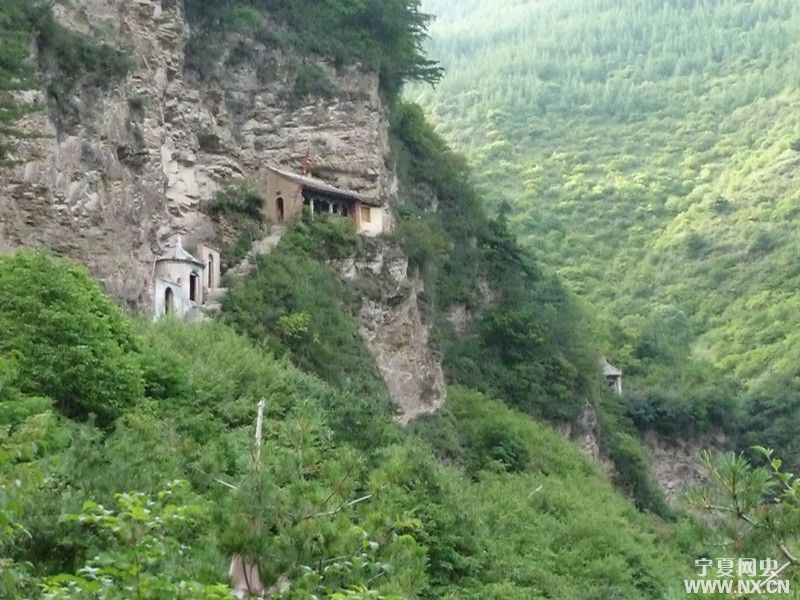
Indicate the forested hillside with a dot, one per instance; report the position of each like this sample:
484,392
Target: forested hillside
130,466
135,459
163,485
649,152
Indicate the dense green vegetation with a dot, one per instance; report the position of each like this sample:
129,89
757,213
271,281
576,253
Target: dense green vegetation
518,344
65,339
128,466
239,206
295,305
421,529
526,338
647,152
384,35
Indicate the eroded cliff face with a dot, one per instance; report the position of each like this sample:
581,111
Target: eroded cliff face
111,176
674,464
394,330
115,172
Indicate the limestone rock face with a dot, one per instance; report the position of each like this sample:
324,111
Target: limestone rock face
394,330
113,173
583,430
674,464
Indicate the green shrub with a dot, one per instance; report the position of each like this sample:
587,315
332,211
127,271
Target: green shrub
695,398
632,467
67,338
242,207
295,303
248,234
324,237
238,199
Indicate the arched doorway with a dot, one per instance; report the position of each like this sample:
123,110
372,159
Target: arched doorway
193,287
169,302
210,271
281,213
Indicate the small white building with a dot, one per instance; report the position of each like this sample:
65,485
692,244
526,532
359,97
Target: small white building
182,282
613,376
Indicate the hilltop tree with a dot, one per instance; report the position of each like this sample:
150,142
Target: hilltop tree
66,338
386,35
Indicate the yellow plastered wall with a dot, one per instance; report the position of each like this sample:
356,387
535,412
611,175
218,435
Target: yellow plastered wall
369,219
277,187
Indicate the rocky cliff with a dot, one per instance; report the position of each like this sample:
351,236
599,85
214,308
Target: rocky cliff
110,173
394,330
674,464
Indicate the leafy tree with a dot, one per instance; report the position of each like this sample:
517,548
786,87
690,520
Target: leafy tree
66,338
386,36
145,538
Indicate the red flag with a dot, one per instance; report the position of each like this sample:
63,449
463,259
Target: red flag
306,162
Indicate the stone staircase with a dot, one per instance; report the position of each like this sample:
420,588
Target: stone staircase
262,246
213,302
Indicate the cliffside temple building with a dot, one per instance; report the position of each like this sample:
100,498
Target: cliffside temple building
185,284
287,193
182,283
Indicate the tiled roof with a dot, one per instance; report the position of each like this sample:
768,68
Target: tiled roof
320,186
178,254
609,370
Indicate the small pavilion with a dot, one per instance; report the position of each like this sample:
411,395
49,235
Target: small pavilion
613,376
182,282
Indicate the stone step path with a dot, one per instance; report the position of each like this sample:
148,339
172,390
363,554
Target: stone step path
262,246
213,303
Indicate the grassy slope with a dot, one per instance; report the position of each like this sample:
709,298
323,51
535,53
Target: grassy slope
517,512
554,529
648,153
